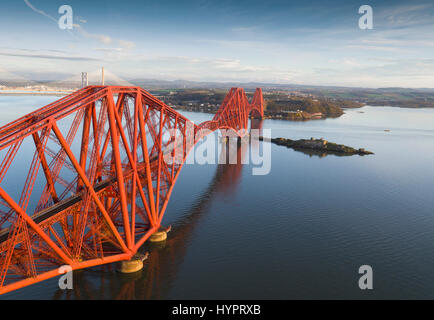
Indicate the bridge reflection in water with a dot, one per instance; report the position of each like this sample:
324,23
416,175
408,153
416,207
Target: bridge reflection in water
104,282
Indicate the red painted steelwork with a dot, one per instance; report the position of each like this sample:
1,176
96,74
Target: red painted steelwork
110,157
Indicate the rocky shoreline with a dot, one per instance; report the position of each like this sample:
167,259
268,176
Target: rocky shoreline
319,145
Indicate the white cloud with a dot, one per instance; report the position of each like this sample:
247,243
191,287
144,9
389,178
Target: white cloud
39,11
104,39
99,37
375,48
125,44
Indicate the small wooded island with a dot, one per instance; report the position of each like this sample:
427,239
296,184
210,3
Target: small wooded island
320,145
303,108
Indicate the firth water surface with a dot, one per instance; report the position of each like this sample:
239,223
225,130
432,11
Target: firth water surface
301,232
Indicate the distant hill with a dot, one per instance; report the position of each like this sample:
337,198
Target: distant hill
399,97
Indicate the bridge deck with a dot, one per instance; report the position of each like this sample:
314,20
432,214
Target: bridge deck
58,207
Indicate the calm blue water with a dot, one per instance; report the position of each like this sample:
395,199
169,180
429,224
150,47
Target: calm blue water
301,231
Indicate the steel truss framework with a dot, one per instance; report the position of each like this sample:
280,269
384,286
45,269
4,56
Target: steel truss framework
104,161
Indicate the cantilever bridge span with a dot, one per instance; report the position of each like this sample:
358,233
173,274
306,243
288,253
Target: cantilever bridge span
85,180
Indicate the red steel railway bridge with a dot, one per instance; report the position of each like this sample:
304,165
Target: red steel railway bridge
85,180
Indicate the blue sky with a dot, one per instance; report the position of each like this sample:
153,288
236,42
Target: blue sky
300,42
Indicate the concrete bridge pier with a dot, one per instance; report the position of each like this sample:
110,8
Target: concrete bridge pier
133,265
160,235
